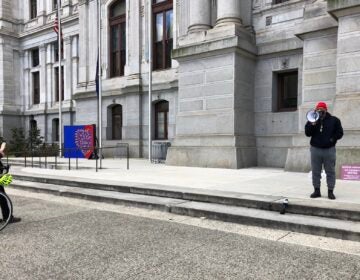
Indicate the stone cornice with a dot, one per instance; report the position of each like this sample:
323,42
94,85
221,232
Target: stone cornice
69,20
216,39
311,25
277,7
349,7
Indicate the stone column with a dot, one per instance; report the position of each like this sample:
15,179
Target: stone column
49,75
75,62
27,87
42,56
228,12
200,16
83,42
67,69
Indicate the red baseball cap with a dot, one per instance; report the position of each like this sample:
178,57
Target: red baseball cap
321,105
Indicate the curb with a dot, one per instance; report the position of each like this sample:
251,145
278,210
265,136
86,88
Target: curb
348,230
341,211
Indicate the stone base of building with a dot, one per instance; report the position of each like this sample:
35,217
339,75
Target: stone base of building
213,157
7,122
298,159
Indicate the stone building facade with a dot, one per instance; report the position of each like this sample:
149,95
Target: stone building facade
232,79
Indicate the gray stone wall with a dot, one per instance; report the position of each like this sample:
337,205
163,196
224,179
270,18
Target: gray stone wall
221,87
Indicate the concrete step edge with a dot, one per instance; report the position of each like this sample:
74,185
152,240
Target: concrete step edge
270,203
292,222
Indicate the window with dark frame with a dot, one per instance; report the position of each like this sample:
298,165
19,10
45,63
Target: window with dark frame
280,1
36,87
161,120
33,9
287,91
56,51
56,81
162,33
117,23
33,125
55,130
35,57
55,4
116,114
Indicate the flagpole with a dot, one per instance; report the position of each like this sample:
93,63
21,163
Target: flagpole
100,84
60,79
150,77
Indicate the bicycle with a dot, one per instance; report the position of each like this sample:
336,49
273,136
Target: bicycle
5,201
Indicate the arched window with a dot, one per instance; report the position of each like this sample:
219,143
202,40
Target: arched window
33,132
33,125
55,130
163,33
117,23
116,120
161,120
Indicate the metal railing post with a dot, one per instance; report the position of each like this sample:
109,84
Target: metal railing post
127,157
100,155
96,159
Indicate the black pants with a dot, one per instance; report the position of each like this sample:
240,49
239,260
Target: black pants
3,204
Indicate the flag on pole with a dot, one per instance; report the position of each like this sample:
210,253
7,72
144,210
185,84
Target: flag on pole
56,25
56,29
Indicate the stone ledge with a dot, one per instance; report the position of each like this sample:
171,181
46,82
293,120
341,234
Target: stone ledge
340,8
303,29
217,39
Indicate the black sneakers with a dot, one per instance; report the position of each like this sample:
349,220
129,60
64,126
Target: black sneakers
316,193
14,220
331,195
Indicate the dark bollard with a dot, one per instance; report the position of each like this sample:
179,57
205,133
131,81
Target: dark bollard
285,205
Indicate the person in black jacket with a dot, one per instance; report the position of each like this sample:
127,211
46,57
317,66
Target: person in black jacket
324,133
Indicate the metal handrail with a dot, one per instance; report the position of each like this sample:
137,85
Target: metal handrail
54,151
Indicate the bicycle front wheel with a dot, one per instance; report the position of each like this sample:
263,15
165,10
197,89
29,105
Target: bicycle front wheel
6,210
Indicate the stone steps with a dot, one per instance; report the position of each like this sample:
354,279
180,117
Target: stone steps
343,229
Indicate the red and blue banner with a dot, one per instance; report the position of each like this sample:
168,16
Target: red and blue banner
79,141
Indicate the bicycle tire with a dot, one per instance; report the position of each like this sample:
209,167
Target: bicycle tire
5,221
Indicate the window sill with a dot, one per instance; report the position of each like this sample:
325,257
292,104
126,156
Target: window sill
288,110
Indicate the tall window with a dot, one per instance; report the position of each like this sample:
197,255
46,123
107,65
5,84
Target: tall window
56,51
117,22
55,4
36,87
33,124
161,120
55,130
163,33
33,9
116,113
56,82
287,91
35,57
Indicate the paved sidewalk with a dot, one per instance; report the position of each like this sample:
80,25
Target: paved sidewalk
257,181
